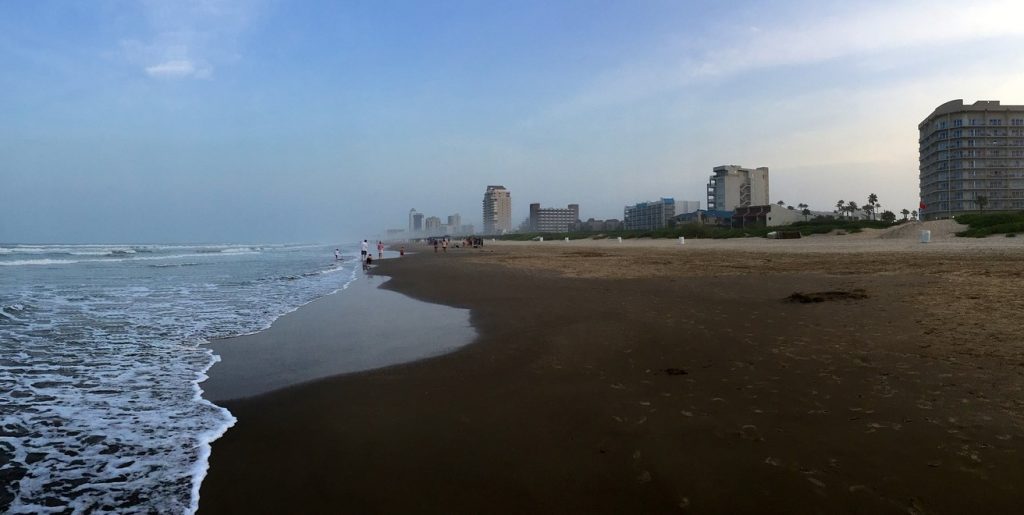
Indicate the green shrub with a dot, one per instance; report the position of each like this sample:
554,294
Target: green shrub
981,225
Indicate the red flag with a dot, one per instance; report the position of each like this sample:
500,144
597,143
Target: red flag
922,205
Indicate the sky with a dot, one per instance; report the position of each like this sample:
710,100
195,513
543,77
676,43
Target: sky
272,121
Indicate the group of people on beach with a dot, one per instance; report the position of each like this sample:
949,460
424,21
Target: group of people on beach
367,258
444,242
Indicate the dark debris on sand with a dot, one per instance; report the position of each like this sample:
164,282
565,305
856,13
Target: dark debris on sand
826,296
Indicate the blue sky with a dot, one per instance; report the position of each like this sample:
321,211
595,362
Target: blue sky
326,121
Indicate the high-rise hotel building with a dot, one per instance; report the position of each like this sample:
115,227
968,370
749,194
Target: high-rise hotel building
971,151
497,210
733,186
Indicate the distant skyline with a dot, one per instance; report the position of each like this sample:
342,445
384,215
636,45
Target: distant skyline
268,121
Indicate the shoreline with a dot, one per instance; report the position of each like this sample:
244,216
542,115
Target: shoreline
362,335
677,388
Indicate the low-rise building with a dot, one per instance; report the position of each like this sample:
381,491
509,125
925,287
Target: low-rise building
770,215
705,217
592,225
687,206
552,219
649,215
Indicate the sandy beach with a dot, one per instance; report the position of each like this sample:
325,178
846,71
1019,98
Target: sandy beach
864,373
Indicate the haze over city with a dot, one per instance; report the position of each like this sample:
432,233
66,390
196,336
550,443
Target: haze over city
270,121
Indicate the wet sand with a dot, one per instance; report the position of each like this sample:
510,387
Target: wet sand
361,328
692,384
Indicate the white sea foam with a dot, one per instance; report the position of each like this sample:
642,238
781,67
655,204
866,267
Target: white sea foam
31,262
49,261
104,365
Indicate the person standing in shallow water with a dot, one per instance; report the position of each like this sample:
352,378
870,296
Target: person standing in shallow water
337,254
444,246
366,249
435,246
380,249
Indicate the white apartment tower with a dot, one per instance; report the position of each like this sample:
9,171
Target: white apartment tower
497,210
733,186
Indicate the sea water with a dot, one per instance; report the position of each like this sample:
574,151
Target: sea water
102,359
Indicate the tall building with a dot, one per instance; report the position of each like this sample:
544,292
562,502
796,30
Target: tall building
733,186
455,222
497,210
413,226
968,152
649,215
417,223
553,219
433,226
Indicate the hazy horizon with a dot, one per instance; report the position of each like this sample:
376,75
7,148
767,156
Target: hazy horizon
263,122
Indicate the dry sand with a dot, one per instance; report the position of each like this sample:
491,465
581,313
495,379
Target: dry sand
649,377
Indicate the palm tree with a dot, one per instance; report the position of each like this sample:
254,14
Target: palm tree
852,207
982,201
905,212
841,207
873,202
803,210
781,203
913,214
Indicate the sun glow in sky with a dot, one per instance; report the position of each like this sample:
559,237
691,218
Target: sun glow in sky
298,121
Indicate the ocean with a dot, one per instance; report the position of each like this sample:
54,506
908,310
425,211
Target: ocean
102,357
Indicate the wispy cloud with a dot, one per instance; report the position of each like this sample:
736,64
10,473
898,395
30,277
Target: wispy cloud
860,31
177,69
796,39
188,37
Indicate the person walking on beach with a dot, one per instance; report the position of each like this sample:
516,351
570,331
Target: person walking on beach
380,249
435,246
337,255
366,249
444,245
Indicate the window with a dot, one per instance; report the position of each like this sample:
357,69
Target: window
995,121
960,123
1017,121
